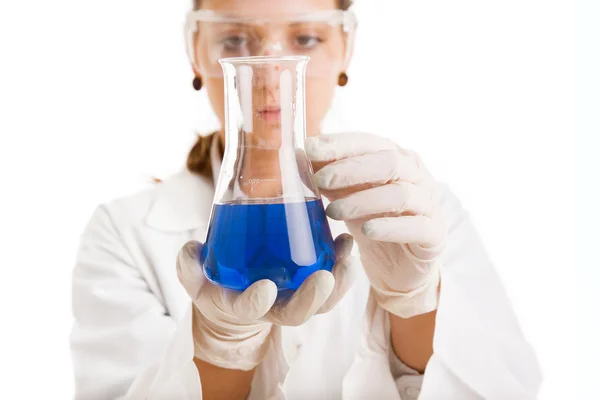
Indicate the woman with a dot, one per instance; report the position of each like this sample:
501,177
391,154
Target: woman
428,318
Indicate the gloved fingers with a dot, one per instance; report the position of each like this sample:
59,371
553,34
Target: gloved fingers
304,167
425,231
343,246
333,195
305,302
345,272
253,303
189,270
372,168
327,148
394,198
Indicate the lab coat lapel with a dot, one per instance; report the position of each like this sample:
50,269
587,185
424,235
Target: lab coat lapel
179,213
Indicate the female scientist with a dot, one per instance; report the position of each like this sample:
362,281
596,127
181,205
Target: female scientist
420,313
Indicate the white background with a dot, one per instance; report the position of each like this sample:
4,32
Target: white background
96,98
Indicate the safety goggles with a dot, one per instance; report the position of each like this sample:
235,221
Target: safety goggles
325,36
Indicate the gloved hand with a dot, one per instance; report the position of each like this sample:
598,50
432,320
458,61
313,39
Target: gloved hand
387,199
231,329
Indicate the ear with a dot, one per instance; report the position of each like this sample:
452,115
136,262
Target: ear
192,48
196,70
350,51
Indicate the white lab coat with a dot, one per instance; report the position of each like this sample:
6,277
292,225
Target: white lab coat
133,333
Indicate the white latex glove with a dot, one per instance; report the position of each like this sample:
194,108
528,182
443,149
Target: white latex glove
231,329
387,199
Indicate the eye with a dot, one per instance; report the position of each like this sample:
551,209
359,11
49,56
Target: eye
234,42
307,41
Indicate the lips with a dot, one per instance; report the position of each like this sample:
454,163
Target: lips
270,113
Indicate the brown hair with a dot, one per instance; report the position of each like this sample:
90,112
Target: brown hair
198,160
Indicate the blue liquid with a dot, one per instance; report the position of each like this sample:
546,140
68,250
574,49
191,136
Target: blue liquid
281,242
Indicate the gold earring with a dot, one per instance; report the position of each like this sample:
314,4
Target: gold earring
342,79
197,83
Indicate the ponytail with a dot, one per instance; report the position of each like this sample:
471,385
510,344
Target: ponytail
198,160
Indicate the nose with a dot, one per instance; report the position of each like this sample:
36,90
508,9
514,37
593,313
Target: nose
272,48
267,76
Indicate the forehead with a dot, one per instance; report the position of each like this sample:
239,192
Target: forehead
267,8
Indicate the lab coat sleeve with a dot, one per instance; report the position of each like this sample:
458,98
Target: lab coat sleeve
408,381
121,330
479,350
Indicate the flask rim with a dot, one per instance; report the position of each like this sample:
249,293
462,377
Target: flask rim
261,59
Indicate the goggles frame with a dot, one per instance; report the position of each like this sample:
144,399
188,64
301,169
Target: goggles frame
345,18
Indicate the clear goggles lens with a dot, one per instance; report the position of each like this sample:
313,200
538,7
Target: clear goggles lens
326,37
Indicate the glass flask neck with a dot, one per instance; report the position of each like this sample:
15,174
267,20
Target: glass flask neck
265,128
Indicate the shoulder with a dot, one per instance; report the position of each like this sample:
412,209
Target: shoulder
177,203
132,208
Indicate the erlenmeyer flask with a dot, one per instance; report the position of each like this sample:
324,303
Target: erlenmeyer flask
267,220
